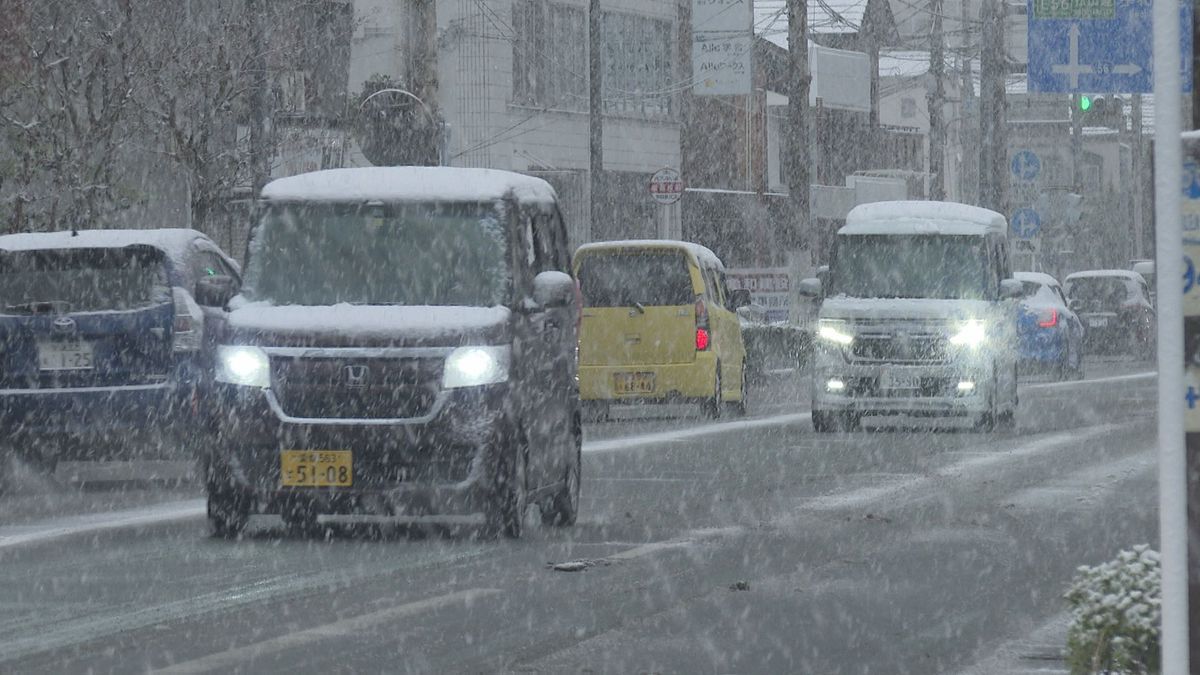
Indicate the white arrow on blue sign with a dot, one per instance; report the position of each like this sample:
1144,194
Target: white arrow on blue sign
1102,46
1025,223
1026,165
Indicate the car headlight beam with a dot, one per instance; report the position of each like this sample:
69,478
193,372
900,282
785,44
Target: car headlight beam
476,366
835,332
971,333
244,366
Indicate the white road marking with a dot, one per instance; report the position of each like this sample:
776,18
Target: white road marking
348,627
631,442
869,495
687,539
58,528
1133,377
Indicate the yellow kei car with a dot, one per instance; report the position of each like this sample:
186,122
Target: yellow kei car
659,326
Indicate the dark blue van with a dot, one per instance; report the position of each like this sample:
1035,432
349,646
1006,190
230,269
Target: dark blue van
102,341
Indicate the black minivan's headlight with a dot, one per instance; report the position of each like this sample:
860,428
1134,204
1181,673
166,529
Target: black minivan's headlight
476,366
243,365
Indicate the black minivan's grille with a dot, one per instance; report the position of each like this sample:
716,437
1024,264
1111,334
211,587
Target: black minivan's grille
356,388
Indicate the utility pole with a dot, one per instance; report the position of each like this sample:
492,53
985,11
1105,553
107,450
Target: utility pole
1076,144
937,102
968,133
425,78
260,162
1135,169
798,136
993,154
595,115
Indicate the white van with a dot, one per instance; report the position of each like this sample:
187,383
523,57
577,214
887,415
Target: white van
918,317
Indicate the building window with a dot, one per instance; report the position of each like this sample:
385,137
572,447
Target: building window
550,55
637,65
550,64
908,108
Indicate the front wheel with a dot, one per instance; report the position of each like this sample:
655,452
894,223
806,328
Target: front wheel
562,510
505,513
227,514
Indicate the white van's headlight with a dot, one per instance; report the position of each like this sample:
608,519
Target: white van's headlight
835,331
476,366
243,365
970,333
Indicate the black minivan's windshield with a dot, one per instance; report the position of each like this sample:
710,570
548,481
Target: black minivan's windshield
81,280
923,266
372,254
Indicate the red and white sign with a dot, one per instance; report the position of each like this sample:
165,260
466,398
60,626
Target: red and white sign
666,186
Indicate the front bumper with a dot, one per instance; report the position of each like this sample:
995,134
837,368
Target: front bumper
675,381
936,394
439,464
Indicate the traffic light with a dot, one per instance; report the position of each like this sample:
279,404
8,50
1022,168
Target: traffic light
1101,111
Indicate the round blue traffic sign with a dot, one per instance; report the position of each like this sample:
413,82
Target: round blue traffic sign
1026,165
1191,180
1025,223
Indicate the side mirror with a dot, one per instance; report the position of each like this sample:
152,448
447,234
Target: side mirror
215,291
811,288
1011,289
739,299
552,290
1075,305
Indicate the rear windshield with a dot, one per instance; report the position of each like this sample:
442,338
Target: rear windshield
1103,293
82,280
649,279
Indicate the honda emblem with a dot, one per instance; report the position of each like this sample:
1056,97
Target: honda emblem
356,376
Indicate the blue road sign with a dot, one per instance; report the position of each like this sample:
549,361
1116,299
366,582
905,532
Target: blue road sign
1025,223
1099,46
1026,165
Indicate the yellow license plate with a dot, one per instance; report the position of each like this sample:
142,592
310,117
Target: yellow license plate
633,383
316,468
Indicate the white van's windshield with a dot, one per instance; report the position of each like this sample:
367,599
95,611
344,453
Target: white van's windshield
371,254
925,266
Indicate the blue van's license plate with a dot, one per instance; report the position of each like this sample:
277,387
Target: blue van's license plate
76,355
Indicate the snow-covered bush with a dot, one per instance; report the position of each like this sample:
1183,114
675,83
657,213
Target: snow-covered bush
1116,612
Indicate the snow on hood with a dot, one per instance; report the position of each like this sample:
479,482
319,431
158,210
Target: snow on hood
842,307
367,321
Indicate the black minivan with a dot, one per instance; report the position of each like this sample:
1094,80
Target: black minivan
404,346
102,341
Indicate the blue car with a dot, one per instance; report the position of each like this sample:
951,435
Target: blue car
1050,335
102,341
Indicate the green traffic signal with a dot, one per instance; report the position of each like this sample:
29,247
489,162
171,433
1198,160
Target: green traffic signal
1085,103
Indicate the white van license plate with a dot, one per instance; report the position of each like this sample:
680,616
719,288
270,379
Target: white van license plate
899,382
1098,322
77,355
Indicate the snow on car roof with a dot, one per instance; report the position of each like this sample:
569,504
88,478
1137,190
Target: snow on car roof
408,184
922,217
1123,274
1039,277
702,254
172,241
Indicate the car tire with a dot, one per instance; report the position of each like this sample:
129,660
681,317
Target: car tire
227,513
738,408
712,407
505,513
562,510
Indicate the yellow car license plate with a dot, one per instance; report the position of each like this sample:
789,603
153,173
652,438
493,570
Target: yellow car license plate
316,468
633,383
